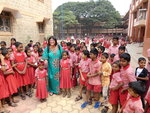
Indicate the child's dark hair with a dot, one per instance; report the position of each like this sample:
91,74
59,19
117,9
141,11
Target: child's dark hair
4,52
40,50
9,48
35,45
112,55
105,55
126,56
3,42
13,39
65,52
69,44
115,38
29,45
86,53
93,44
117,63
137,87
31,40
73,45
40,62
77,48
102,48
83,43
17,44
141,59
122,48
94,51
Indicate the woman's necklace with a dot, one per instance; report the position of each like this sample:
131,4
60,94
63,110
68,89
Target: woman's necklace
53,49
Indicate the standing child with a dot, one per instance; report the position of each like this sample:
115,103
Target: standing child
10,79
127,76
13,41
133,104
94,82
30,70
66,74
19,58
105,75
83,69
4,92
141,74
41,82
115,85
114,48
35,53
101,50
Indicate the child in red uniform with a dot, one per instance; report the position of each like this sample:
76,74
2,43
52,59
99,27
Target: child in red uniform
35,53
115,84
4,92
13,41
9,77
147,98
127,76
121,50
114,48
83,69
31,70
94,82
101,50
72,56
41,82
66,74
133,104
19,59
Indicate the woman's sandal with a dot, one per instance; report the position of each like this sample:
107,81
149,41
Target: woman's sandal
51,94
78,98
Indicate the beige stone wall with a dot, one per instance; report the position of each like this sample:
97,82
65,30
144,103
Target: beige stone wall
26,14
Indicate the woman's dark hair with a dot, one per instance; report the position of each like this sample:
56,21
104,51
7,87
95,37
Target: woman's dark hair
122,48
94,51
3,42
102,48
137,87
65,52
86,53
17,44
141,59
93,44
40,50
4,52
112,55
117,63
105,55
13,39
126,56
52,37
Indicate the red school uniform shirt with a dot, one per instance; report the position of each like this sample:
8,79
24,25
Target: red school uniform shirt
84,65
35,54
72,56
94,68
127,75
116,79
133,105
113,50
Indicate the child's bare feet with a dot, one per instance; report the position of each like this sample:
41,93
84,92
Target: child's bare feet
69,95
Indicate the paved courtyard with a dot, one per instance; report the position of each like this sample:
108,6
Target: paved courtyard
58,104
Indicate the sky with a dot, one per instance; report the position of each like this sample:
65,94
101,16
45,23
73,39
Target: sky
121,5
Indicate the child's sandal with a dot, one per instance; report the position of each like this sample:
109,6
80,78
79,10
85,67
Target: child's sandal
23,97
12,104
78,98
64,94
69,95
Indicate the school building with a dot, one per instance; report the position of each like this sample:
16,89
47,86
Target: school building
139,23
25,19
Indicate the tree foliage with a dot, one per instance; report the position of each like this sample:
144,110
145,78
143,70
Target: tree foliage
87,13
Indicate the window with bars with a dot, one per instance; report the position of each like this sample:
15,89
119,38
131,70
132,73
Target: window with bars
41,27
5,21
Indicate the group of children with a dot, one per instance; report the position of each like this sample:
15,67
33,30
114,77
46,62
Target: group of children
104,70
21,70
107,72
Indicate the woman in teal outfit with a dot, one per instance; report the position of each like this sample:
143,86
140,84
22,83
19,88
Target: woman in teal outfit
53,54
